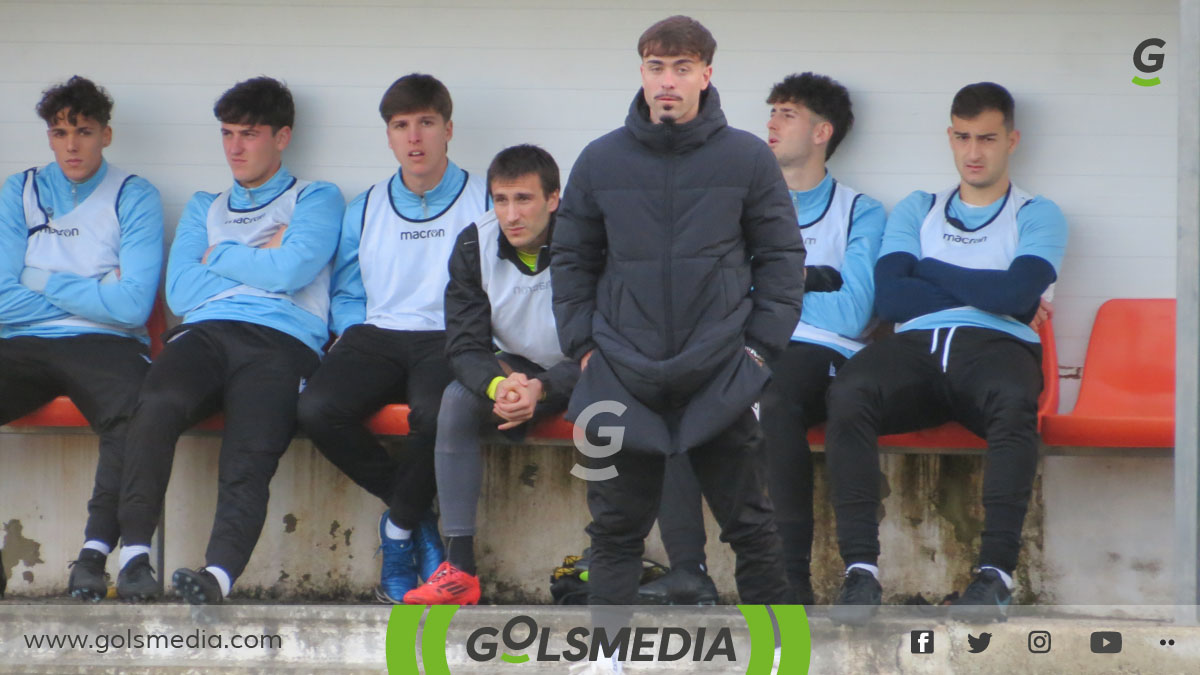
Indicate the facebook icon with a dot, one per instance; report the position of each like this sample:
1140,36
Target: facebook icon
922,642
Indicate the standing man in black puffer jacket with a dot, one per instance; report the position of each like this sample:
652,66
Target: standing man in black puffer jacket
678,274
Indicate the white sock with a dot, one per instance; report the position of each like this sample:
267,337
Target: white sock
130,552
394,532
222,578
873,569
98,546
1005,576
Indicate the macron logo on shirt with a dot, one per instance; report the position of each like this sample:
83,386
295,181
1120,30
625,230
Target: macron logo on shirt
68,232
422,234
245,220
540,286
959,239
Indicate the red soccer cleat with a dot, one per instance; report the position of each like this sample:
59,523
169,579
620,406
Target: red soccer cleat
448,586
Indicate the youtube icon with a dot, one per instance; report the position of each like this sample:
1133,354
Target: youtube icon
1106,642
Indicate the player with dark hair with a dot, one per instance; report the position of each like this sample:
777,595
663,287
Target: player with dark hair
499,294
389,285
842,230
678,274
961,272
249,273
80,258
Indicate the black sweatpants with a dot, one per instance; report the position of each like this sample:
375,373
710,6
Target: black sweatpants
680,516
730,469
792,402
102,375
986,380
368,368
252,373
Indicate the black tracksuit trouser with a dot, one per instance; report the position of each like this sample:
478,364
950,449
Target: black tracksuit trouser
792,402
985,379
102,375
730,469
368,368
254,374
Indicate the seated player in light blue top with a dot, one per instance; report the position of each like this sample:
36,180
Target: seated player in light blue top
389,285
962,272
810,116
249,272
80,257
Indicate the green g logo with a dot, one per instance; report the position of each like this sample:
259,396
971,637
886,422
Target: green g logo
1148,63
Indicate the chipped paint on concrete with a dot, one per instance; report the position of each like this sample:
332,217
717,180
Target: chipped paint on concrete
18,549
334,527
529,475
289,523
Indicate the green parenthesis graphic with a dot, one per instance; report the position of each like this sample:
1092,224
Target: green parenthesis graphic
1146,83
401,646
795,638
762,639
433,639
509,658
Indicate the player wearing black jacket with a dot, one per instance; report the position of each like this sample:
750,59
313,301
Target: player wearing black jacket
502,346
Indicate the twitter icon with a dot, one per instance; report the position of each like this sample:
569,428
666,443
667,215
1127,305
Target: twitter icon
978,644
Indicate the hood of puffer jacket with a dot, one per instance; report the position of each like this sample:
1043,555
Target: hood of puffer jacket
668,137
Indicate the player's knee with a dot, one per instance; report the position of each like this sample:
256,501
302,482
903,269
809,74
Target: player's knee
619,528
459,406
312,409
851,394
1012,403
162,404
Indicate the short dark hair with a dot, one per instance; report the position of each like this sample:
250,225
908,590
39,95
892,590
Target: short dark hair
522,160
678,35
259,100
975,99
822,95
78,96
413,93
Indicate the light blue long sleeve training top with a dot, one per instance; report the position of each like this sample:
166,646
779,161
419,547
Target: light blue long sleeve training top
123,303
307,246
848,310
1042,234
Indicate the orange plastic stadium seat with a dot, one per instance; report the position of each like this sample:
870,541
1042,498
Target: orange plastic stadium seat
1127,395
57,413
953,434
392,420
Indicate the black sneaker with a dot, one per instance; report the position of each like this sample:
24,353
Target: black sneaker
136,580
985,600
858,600
88,579
199,587
679,587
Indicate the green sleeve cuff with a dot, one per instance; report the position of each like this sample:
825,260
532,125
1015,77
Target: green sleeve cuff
491,390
